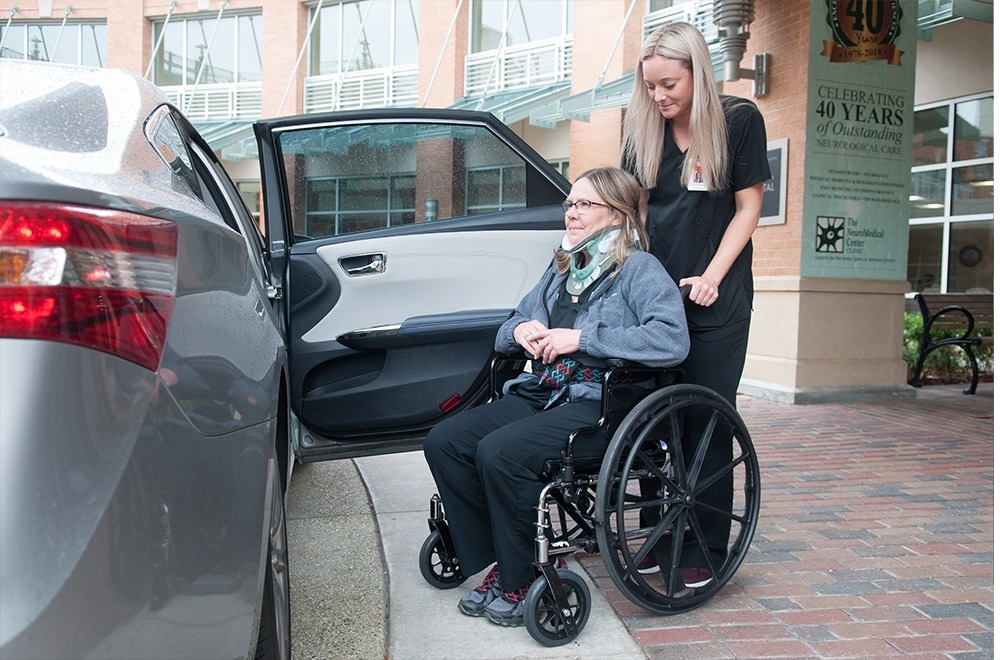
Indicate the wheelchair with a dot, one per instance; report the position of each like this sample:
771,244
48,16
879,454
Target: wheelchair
643,499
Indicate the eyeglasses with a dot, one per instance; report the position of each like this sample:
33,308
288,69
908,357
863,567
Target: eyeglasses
582,205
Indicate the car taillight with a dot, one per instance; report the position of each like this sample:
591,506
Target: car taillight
95,277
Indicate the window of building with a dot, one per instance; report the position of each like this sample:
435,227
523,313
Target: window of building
72,43
491,189
525,21
562,166
344,205
361,35
951,201
208,50
250,192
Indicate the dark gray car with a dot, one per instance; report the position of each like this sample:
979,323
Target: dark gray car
163,362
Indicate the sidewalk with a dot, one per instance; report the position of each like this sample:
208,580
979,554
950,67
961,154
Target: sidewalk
874,540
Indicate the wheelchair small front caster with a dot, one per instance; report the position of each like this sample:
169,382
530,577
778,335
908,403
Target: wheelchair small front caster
438,568
550,624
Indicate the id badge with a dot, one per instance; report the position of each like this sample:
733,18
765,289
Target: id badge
697,181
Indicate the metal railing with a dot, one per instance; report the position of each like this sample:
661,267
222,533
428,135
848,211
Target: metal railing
370,88
697,12
219,101
527,65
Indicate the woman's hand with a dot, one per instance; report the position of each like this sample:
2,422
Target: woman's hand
528,334
546,344
558,341
704,290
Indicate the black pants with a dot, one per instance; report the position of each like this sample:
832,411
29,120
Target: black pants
715,361
486,462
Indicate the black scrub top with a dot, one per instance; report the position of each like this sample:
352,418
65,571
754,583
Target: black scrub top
686,226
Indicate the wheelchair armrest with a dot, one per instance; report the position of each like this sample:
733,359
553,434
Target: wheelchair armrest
624,386
618,398
626,370
503,367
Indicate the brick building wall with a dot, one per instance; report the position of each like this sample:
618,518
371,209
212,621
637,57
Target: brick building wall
596,25
130,36
285,27
781,29
444,42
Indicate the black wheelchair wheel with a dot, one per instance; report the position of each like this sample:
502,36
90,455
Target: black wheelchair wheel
662,499
439,569
544,620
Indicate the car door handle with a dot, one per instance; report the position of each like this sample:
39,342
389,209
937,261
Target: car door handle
366,264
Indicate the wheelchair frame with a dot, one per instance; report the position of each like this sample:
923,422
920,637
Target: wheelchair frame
599,509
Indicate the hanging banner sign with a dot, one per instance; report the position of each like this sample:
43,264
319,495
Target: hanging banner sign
859,138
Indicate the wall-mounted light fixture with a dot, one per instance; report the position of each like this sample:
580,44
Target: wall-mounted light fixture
733,17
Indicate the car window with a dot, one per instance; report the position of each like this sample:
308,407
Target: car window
222,196
355,178
163,134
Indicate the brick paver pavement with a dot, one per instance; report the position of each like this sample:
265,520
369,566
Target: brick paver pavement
875,538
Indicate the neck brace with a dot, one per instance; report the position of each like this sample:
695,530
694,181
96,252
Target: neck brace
599,246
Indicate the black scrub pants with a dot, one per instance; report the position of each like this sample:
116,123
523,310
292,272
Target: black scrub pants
715,361
486,462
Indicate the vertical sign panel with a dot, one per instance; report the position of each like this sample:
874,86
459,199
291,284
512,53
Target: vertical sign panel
859,138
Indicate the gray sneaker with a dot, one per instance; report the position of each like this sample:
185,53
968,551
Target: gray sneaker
475,602
508,609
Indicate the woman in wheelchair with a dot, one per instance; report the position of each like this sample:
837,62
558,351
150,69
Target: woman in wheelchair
604,298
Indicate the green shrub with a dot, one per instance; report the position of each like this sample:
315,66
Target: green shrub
946,364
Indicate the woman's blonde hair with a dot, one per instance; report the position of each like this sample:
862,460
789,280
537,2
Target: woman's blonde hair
620,191
644,126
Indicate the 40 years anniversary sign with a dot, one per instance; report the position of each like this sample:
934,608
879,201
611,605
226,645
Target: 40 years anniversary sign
859,138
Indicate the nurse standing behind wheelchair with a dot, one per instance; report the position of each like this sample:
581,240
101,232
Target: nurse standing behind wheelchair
603,298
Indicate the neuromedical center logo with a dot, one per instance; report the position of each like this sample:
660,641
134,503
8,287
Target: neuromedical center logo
830,234
864,30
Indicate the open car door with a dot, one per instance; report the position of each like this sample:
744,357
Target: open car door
400,241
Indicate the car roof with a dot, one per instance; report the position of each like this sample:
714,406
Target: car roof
77,134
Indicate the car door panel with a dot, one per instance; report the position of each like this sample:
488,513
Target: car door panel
391,383
422,330
421,350
432,274
392,303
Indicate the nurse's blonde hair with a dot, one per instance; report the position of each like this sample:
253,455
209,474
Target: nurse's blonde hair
644,126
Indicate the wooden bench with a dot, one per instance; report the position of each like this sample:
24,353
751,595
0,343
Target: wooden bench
965,312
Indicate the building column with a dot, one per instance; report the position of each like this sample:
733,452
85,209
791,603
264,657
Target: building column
285,25
596,24
130,37
444,43
828,336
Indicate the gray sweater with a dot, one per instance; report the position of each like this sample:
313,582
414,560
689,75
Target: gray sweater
636,315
